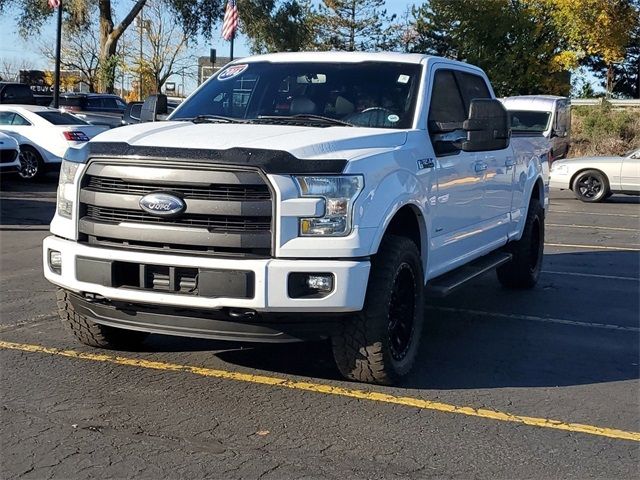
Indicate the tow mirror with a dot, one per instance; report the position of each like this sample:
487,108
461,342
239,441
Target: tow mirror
487,127
153,106
133,113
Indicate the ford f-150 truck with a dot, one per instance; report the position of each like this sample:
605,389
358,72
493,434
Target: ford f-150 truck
300,196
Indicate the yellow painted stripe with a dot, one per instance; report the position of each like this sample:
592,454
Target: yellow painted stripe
593,247
332,390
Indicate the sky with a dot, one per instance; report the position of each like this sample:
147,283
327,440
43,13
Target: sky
17,49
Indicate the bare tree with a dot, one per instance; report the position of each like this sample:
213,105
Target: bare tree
10,68
164,47
80,52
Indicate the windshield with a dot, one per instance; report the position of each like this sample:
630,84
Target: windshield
370,94
60,118
529,121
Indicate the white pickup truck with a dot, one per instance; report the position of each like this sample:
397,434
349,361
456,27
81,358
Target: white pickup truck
300,196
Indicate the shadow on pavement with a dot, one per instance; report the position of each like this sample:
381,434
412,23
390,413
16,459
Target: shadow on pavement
29,203
464,350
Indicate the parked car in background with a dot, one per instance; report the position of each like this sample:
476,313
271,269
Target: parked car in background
594,179
95,108
546,115
16,93
9,154
44,134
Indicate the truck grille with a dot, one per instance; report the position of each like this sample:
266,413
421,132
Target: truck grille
228,213
210,192
213,223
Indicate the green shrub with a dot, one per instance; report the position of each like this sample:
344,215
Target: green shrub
601,130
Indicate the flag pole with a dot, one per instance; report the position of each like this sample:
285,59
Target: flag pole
233,36
56,91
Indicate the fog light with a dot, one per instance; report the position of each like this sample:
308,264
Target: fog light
55,261
310,285
323,283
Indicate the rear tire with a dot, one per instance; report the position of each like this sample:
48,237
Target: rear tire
591,186
93,334
31,163
524,268
380,343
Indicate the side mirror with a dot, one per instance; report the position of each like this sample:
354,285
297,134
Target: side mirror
132,113
153,106
487,127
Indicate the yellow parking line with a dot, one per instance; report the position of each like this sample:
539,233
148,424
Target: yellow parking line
593,247
332,390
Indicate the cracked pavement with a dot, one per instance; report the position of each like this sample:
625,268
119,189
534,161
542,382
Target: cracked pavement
65,418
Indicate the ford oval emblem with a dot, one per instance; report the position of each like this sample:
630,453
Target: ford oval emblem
162,204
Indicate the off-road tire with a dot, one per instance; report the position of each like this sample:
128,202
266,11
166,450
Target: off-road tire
591,186
92,333
363,349
524,268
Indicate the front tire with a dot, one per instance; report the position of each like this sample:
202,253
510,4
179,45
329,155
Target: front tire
93,334
524,268
591,186
380,343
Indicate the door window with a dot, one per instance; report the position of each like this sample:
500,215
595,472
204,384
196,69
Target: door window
6,118
446,111
94,103
109,103
471,86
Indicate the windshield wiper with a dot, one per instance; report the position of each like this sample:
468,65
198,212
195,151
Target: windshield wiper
214,119
305,117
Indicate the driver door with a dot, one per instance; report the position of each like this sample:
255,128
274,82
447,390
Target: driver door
630,173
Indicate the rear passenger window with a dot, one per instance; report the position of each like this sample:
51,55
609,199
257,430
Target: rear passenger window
446,107
94,103
19,120
472,86
109,103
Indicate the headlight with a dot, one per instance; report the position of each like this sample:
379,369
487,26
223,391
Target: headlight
66,192
560,169
339,193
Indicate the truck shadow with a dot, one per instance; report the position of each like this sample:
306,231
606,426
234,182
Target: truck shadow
466,345
24,203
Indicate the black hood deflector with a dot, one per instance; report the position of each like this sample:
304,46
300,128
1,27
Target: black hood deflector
269,161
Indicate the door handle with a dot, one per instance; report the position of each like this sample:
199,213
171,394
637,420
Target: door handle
480,167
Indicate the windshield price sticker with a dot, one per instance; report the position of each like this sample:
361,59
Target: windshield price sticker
404,79
233,71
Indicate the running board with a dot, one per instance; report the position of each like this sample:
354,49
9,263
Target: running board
445,284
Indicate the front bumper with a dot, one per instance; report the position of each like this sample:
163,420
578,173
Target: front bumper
559,181
270,277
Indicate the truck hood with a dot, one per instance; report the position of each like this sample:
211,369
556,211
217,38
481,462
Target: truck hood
337,142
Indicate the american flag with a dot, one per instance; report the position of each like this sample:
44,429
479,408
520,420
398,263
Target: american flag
230,23
54,3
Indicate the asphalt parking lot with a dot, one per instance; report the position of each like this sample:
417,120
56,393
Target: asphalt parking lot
536,384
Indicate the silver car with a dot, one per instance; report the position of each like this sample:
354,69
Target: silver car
594,179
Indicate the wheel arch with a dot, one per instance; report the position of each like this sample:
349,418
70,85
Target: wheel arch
406,221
